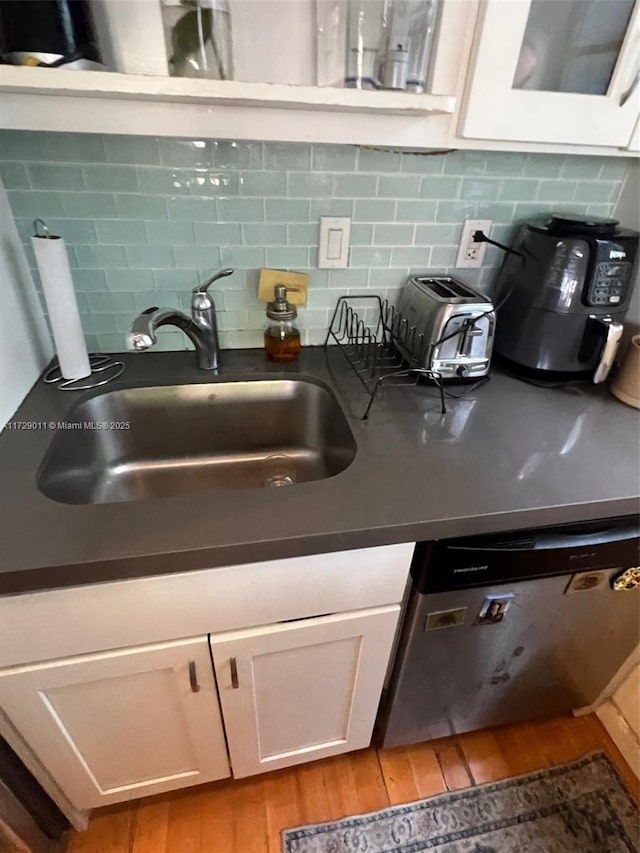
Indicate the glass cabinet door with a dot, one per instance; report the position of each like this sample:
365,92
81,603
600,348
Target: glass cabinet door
563,71
572,46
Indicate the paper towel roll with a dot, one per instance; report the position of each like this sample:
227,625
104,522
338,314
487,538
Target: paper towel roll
626,385
57,284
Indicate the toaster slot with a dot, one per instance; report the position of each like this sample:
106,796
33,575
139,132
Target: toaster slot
448,289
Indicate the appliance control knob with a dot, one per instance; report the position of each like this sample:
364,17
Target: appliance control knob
463,371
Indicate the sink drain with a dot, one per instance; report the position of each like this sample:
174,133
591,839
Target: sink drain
279,470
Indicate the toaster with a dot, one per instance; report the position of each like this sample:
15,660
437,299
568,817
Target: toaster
454,326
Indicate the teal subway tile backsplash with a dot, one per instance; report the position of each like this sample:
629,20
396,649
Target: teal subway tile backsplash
481,189
398,186
142,207
238,210
118,232
393,235
594,191
287,257
334,158
374,211
14,176
287,156
438,186
361,234
286,210
614,169
330,207
557,190
52,176
218,233
173,233
146,219
416,211
103,177
355,186
129,281
310,184
262,184
266,234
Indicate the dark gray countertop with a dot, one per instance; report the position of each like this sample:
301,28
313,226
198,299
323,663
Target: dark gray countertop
507,456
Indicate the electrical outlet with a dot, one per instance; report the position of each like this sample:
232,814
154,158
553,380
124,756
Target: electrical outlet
470,253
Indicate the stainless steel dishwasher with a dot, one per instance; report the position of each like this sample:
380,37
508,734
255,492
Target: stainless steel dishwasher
501,628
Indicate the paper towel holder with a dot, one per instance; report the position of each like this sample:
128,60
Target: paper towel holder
40,223
99,363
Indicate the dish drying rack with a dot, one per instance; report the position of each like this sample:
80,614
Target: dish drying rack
380,345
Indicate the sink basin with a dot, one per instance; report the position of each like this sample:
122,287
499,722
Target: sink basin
182,439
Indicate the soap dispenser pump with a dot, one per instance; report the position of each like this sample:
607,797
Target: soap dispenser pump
281,333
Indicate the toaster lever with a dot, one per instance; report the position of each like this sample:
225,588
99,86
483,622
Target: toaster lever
468,335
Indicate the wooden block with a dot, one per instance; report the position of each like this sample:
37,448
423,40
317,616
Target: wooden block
269,279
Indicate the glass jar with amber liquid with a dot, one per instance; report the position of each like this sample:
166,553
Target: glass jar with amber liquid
281,332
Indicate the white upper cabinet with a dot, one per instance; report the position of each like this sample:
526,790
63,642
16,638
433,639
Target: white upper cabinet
262,92
555,71
303,690
122,724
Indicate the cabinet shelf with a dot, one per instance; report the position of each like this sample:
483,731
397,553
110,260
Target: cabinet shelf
105,84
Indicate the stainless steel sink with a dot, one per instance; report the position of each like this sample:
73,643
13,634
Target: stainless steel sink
182,439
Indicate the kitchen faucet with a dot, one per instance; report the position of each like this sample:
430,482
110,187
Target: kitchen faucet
201,328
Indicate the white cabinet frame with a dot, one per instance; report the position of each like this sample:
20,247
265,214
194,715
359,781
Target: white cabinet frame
495,110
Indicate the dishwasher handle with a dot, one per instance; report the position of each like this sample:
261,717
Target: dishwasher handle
553,538
606,536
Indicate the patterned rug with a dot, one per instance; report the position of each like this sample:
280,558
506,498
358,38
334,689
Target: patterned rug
582,807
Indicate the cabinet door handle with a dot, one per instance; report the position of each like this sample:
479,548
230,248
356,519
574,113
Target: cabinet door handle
234,673
193,677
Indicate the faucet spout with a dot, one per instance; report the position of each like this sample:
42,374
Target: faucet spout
201,328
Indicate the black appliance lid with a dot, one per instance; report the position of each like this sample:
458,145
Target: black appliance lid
565,224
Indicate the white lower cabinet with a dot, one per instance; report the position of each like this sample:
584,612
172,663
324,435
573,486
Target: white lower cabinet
107,699
121,724
302,690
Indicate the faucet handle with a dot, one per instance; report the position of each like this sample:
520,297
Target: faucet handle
202,288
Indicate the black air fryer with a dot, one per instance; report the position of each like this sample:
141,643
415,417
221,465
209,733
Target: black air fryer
565,290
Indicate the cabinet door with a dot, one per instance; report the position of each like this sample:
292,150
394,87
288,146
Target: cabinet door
298,691
558,72
123,724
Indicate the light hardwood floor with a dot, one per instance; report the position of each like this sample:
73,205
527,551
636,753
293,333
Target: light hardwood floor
247,816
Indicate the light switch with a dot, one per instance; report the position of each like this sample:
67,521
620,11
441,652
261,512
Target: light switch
334,244
333,252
